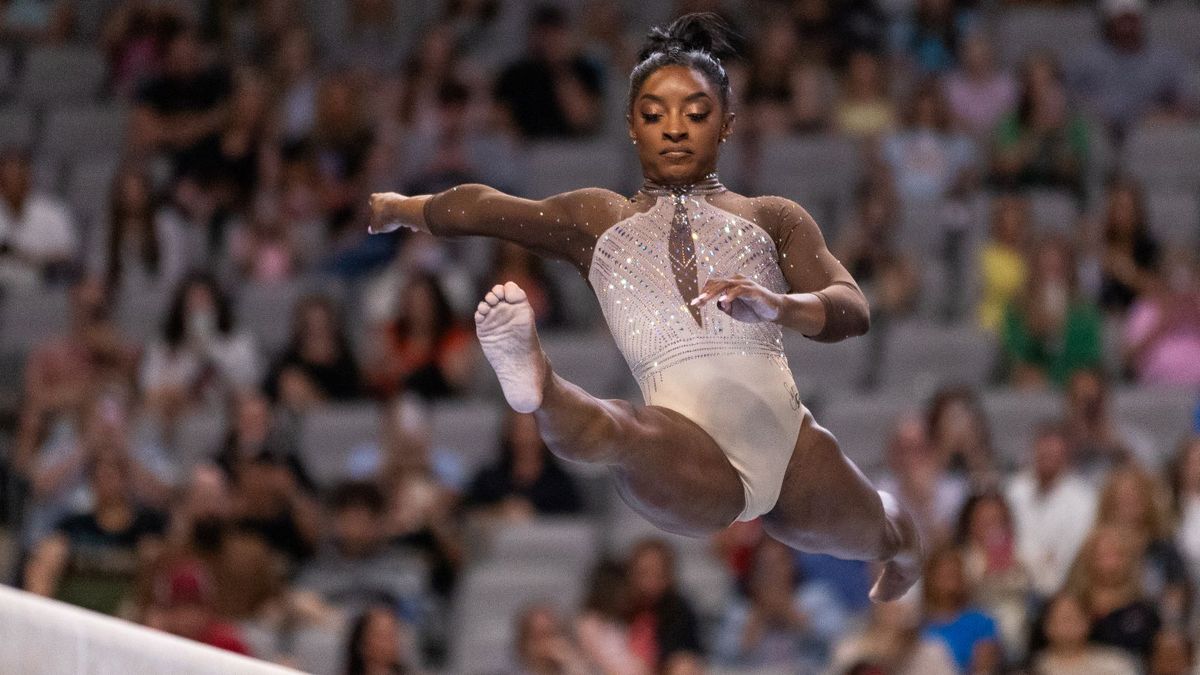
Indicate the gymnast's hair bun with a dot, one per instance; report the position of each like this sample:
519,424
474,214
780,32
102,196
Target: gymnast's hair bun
696,32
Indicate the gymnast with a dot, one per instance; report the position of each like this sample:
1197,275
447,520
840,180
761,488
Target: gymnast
696,284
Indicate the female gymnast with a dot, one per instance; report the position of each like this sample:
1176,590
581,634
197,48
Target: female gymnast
695,283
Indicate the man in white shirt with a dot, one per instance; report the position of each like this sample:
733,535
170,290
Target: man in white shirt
37,232
1054,510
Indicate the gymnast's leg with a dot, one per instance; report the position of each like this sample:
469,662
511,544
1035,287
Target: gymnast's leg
667,468
828,506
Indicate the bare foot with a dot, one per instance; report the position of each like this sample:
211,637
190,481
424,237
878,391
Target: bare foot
505,326
902,571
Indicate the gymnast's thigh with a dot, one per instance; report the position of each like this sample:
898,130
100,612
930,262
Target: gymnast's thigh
825,497
675,475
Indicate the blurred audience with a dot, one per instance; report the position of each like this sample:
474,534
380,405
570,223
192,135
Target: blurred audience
1068,627
917,476
1052,508
377,645
927,159
93,558
987,537
1126,76
200,357
1161,333
972,636
891,641
544,646
317,365
603,622
1042,143
865,109
141,246
39,237
425,350
526,480
1051,330
782,620
979,92
663,625
1003,260
1131,253
554,91
959,433
1107,577
183,600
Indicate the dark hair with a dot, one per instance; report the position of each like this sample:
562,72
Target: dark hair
357,494
176,324
698,41
327,305
1025,102
355,664
444,319
962,529
119,214
1141,231
606,590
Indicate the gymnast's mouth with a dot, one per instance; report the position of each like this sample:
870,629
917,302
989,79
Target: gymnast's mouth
675,152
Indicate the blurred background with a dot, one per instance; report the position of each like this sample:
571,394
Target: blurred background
229,414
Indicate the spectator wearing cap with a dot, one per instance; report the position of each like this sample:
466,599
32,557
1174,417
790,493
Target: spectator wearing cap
355,565
39,238
1125,77
183,597
554,91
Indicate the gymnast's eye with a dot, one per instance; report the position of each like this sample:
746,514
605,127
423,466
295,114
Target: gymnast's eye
698,117
651,118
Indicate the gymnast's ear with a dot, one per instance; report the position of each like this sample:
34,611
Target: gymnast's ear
727,126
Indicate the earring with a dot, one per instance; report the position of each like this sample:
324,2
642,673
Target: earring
635,141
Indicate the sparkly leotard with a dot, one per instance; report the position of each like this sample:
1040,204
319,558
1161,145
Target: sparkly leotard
646,258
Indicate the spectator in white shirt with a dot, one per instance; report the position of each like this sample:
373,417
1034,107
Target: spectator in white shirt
37,232
1053,508
200,356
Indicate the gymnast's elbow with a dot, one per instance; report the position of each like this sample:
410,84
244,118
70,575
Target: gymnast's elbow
844,318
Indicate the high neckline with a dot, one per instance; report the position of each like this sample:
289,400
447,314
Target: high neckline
709,184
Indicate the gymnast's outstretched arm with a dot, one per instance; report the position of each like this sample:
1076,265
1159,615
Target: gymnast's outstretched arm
562,226
825,303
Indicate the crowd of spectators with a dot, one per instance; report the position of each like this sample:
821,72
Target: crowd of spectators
256,130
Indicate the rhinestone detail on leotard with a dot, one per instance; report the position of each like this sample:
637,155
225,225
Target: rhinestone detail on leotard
639,289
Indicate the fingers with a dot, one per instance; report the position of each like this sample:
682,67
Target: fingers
715,286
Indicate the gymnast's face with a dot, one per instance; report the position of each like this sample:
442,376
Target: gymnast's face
677,122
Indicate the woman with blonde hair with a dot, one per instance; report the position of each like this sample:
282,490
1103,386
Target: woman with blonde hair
1107,576
1133,498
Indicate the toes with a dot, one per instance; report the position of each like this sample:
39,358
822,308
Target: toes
513,292
479,316
498,291
492,299
483,308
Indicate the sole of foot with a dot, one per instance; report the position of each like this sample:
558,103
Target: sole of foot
504,323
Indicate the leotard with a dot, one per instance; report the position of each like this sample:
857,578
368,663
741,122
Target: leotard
645,258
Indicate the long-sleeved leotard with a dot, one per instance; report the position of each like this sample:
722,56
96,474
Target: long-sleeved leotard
646,258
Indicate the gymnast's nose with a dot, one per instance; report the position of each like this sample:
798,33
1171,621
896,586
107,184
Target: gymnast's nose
674,135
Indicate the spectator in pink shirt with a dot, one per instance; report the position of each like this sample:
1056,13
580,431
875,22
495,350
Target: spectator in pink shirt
1162,328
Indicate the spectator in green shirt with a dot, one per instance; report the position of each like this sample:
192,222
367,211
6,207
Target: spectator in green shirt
1042,143
1051,330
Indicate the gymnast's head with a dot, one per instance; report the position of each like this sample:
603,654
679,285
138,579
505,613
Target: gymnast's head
680,99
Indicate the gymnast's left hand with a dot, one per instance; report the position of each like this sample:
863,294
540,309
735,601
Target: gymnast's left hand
741,298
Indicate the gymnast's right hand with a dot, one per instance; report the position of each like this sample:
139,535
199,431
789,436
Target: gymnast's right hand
391,211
